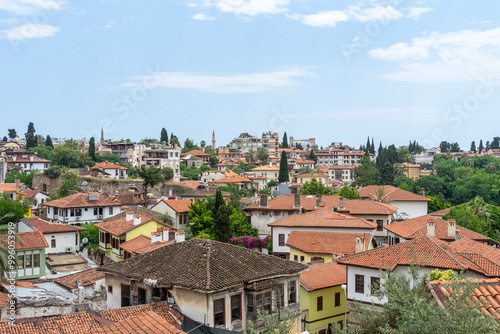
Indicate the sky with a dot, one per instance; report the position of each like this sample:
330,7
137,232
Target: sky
425,70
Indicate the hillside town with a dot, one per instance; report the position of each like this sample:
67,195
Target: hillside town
268,233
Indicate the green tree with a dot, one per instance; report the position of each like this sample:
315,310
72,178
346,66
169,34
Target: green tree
200,218
481,147
48,142
23,176
495,144
12,211
349,193
315,187
409,309
53,172
275,323
69,183
365,174
164,136
189,145
91,233
312,156
4,139
436,204
30,136
240,227
473,147
92,148
44,152
263,155
12,133
283,175
151,176
222,222
250,157
284,144
455,147
167,173
66,156
444,146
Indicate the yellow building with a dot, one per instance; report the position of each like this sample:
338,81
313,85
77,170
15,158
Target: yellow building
120,229
322,299
409,170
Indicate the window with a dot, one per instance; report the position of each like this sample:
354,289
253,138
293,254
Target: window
317,259
36,260
281,296
380,225
341,324
337,299
235,307
292,294
95,211
72,212
110,210
219,312
296,258
53,242
20,262
267,301
360,284
302,258
29,264
250,307
281,240
78,212
374,284
319,303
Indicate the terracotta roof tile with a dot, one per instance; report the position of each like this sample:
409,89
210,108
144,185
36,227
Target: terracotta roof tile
324,218
309,175
201,264
323,275
9,187
45,226
120,225
178,205
107,165
146,322
27,240
232,179
87,277
80,200
161,308
327,242
142,244
265,168
197,153
4,299
394,194
308,202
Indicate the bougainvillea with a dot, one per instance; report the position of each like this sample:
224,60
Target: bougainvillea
250,242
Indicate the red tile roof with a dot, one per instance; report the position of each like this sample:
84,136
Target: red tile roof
233,179
197,153
304,161
323,275
120,226
178,205
265,168
417,227
87,277
425,251
30,193
394,194
309,175
142,244
327,242
146,322
308,202
9,187
80,200
26,240
107,165
4,299
26,160
45,226
324,218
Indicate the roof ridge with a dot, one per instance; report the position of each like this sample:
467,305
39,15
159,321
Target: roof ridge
209,251
442,249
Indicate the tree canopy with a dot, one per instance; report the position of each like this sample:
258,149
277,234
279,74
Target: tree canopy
30,136
315,187
283,175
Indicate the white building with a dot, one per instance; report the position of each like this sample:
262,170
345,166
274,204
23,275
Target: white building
82,208
29,162
37,198
164,157
112,171
3,169
177,210
61,238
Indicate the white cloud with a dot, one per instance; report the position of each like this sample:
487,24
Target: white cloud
234,83
457,56
25,7
203,17
378,13
29,31
416,12
108,26
246,7
321,19
9,21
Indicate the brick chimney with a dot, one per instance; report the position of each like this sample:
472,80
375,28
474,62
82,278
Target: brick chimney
296,201
319,198
452,227
129,216
137,220
360,245
341,203
18,183
263,201
431,227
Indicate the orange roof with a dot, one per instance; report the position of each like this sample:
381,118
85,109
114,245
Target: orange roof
26,160
80,200
233,179
417,227
147,322
120,226
27,240
323,275
30,193
87,277
342,167
408,165
327,242
107,165
142,244
309,175
304,161
394,194
197,153
4,299
45,226
178,205
265,168
191,184
426,251
308,202
8,187
324,218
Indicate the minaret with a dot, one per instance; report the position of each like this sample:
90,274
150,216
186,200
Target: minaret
102,136
213,140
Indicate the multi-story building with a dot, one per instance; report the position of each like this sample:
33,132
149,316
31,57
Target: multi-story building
409,170
246,142
3,169
129,153
226,153
270,141
305,143
26,160
163,157
344,174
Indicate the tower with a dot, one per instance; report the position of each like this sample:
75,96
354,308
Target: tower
102,136
213,140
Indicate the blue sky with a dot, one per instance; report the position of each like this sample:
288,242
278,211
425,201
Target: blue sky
333,70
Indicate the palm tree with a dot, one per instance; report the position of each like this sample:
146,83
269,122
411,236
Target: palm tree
381,195
480,208
250,156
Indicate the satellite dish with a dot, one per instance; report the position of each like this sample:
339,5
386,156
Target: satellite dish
85,241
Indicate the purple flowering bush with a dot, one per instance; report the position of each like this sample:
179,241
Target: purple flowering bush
250,242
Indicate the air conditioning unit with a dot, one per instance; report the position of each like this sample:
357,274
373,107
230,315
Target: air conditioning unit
68,249
99,217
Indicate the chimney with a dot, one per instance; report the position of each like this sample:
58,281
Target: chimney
263,201
296,201
165,234
14,158
341,203
180,236
169,192
422,192
319,198
137,220
431,227
129,216
18,183
360,245
452,227
155,237
81,289
32,158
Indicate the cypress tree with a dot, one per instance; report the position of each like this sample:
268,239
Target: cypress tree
48,142
473,146
284,144
92,148
283,175
164,136
372,149
481,147
220,215
30,136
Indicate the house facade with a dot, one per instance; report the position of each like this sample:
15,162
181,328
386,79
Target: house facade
161,158
82,208
29,162
178,210
196,278
112,171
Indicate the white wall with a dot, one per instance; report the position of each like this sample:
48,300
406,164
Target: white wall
87,215
410,209
64,241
